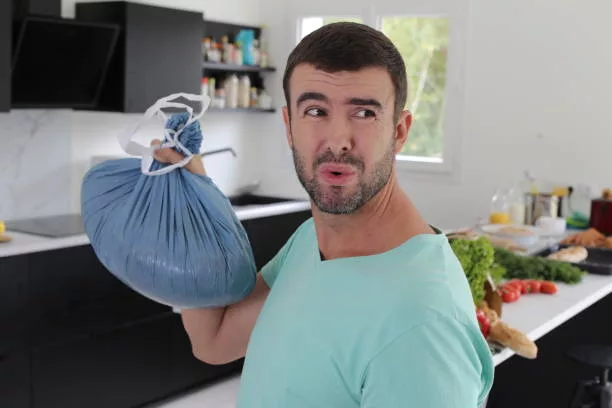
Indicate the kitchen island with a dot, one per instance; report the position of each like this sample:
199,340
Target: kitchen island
537,315
555,322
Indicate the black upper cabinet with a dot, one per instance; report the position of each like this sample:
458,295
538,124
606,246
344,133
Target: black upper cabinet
21,8
5,55
158,53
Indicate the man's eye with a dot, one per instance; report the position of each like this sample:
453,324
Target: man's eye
366,113
315,112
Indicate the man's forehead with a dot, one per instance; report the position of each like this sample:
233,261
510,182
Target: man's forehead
372,82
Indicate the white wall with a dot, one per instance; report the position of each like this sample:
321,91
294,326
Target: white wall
538,86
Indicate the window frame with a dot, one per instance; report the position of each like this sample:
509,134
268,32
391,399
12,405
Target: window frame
447,169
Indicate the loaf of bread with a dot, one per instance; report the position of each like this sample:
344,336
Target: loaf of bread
507,336
571,254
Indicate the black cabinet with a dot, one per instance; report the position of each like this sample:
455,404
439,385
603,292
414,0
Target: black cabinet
21,8
15,380
73,295
550,380
268,234
118,369
5,54
13,304
158,53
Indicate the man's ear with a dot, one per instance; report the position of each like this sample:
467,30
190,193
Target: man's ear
401,130
287,120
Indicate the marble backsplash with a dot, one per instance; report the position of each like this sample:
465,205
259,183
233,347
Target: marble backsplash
44,154
35,163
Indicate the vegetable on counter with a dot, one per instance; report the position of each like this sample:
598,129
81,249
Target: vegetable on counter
512,290
483,322
534,267
548,287
477,257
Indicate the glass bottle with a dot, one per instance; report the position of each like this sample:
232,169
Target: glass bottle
500,209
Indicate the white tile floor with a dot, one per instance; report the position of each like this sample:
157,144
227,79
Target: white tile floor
221,394
218,395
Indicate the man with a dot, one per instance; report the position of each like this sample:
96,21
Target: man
365,305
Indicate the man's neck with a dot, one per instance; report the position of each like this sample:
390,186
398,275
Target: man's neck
385,222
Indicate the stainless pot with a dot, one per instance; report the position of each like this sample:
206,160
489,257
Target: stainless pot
541,205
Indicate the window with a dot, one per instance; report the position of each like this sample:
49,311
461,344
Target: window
435,69
423,42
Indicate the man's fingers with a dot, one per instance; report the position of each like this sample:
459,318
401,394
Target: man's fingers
166,155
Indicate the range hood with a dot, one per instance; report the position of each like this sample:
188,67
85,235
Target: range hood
59,62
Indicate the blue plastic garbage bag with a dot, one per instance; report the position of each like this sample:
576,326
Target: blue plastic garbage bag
172,237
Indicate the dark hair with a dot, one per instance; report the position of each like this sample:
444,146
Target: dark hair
348,46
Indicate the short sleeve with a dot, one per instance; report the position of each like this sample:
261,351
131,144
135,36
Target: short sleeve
437,364
271,270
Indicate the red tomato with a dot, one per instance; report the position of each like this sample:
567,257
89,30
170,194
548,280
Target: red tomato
548,287
483,322
518,284
535,286
508,295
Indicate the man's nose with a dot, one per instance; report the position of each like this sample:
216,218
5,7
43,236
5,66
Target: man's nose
339,137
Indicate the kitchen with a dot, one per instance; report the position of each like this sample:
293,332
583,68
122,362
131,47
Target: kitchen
524,80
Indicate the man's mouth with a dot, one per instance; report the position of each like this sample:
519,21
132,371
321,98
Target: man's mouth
336,174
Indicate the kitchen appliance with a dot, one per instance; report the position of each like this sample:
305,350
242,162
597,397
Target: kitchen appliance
540,205
60,63
56,226
601,215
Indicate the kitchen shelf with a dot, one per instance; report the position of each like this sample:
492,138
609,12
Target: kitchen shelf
250,110
217,66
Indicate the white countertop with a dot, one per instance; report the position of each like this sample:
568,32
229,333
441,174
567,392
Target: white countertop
27,243
535,315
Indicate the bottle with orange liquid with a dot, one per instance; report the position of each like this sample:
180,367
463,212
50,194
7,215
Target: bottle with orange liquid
500,208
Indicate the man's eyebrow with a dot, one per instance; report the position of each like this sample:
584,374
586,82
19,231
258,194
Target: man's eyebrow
306,96
365,102
317,96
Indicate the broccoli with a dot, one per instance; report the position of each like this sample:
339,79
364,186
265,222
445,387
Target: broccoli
477,257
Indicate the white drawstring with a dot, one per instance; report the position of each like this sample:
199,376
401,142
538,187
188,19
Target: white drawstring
171,136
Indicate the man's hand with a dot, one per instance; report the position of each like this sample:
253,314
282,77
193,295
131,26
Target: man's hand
169,155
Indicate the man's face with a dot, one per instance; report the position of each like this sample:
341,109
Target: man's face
343,134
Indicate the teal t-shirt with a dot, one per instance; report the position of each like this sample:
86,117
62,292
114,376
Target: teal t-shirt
396,329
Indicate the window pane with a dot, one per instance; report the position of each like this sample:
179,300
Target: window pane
311,24
423,43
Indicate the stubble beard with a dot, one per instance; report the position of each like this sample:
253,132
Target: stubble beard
338,199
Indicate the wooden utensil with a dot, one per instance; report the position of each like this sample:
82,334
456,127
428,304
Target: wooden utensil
492,296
